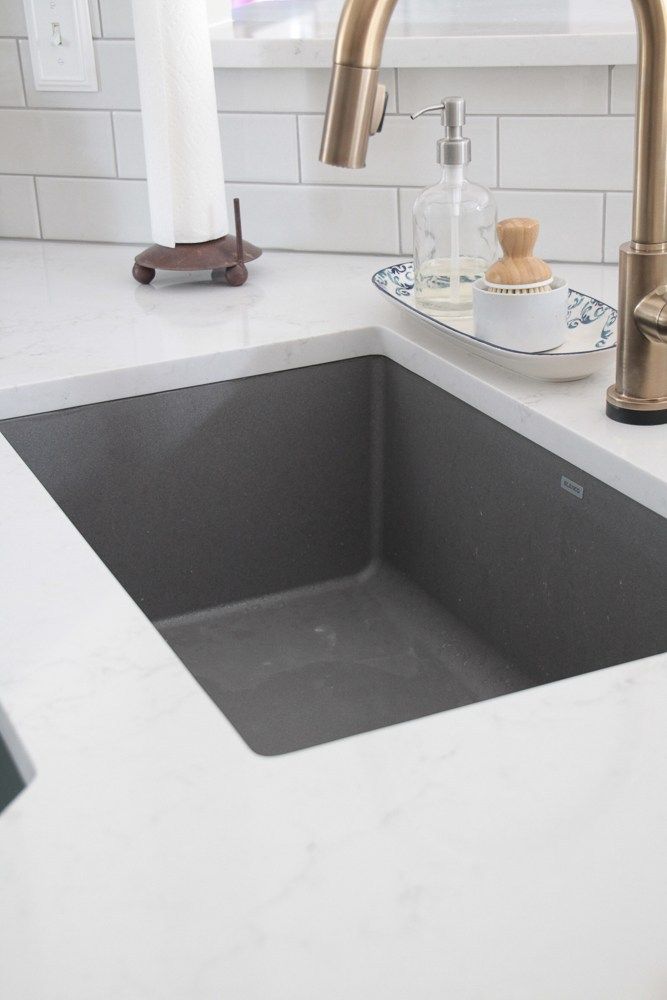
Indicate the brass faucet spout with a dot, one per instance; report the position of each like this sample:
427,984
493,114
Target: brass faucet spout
649,226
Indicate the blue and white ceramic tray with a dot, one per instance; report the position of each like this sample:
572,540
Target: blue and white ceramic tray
590,339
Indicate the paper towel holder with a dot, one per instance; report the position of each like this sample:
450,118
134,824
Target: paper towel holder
225,258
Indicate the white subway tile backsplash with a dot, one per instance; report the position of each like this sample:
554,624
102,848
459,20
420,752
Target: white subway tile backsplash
114,211
299,217
618,226
623,79
18,208
286,90
254,147
570,222
288,217
521,90
574,153
56,142
117,74
11,85
559,150
404,153
12,18
260,148
117,18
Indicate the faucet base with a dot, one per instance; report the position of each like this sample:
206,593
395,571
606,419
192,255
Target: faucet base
640,412
640,393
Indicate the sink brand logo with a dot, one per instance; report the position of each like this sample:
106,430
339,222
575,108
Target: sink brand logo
570,487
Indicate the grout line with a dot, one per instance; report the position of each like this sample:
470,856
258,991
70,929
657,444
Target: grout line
610,71
68,110
498,151
22,75
113,144
469,115
398,94
604,225
359,186
400,227
39,214
488,116
298,150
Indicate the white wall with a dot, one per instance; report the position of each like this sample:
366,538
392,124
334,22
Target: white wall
552,142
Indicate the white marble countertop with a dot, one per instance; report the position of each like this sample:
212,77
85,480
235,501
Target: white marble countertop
510,850
300,33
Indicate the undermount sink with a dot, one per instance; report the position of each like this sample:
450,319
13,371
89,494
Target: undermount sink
338,548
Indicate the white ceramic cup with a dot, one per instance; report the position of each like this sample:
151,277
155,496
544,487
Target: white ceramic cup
529,323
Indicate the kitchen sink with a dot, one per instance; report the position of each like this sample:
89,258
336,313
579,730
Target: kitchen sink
338,548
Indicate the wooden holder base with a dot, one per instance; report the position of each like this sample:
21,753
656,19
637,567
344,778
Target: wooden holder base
225,258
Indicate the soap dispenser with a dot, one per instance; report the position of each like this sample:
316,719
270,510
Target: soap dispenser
454,225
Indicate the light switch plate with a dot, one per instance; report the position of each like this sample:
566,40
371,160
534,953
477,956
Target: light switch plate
61,44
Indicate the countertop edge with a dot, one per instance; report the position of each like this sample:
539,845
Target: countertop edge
426,51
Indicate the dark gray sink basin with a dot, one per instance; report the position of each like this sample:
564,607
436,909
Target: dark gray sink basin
15,769
338,548
11,782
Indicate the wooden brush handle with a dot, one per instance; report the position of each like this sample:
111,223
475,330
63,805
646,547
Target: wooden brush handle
518,267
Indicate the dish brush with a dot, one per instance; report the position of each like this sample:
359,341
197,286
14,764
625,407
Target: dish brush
519,272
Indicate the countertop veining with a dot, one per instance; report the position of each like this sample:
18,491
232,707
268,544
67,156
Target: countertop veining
513,849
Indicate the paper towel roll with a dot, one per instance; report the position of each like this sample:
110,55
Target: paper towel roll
186,185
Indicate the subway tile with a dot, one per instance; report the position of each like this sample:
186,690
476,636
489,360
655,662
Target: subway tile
11,85
117,75
260,148
623,80
618,226
114,211
56,142
12,18
18,208
571,153
254,147
299,217
274,216
288,90
509,90
404,153
117,18
570,222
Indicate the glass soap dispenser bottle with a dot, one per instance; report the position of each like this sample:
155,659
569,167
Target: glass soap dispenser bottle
454,225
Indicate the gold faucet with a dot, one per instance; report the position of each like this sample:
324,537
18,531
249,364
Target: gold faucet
355,111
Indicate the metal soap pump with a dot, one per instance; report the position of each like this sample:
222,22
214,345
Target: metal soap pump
454,225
